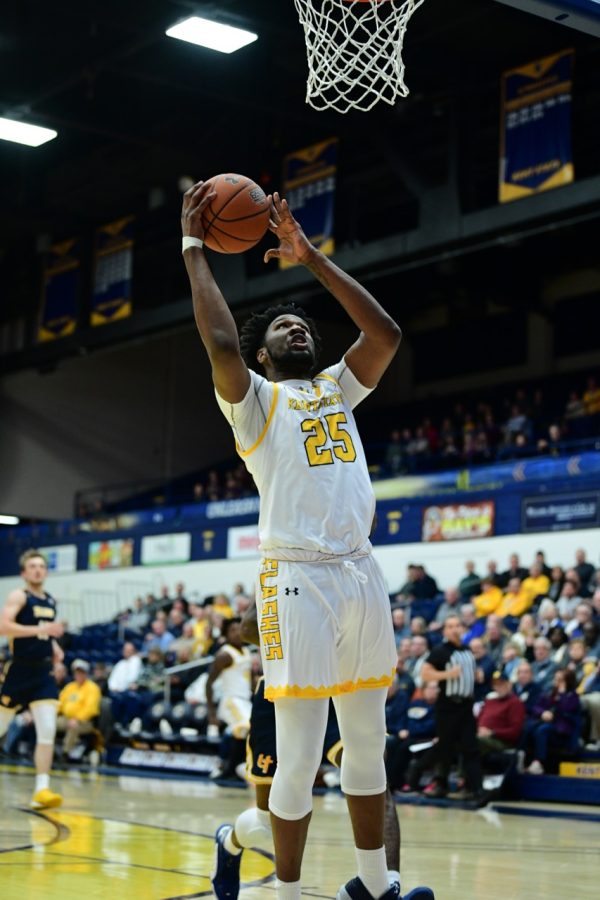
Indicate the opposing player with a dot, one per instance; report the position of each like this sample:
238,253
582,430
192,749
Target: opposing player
324,612
29,621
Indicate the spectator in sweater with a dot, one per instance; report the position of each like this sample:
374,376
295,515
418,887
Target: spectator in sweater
484,668
526,688
471,625
547,616
449,607
568,601
515,570
584,614
555,722
419,651
515,601
585,570
525,636
494,639
78,706
489,599
401,629
580,663
536,584
557,579
417,725
501,718
470,585
511,657
543,667
126,672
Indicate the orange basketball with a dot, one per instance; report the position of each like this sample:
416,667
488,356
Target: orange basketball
238,217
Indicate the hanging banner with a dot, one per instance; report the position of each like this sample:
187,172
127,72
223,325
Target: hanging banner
60,291
113,269
309,178
536,153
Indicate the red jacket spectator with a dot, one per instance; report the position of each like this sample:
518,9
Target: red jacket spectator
504,716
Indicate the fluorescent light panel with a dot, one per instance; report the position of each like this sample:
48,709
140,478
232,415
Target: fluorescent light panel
9,520
214,35
22,133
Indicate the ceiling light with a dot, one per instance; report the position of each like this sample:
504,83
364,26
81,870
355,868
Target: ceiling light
23,133
214,35
9,520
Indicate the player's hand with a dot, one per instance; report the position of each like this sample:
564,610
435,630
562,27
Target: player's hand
484,732
454,672
195,200
294,246
52,629
547,716
58,654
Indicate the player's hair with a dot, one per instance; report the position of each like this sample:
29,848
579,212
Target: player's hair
227,623
30,554
254,329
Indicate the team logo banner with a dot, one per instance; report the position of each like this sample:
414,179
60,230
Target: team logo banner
536,153
60,291
458,521
309,179
113,271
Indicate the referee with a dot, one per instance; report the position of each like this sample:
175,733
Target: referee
452,665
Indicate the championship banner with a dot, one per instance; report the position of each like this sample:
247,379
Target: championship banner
309,178
536,153
458,521
60,290
113,270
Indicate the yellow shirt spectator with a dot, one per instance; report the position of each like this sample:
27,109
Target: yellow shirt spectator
202,637
489,599
516,601
537,585
221,605
591,398
80,701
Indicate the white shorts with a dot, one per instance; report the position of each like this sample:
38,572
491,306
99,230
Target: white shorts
325,628
235,712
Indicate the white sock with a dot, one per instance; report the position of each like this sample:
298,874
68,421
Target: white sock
372,870
230,846
42,783
393,876
288,890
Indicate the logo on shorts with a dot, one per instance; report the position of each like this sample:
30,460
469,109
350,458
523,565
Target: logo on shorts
293,590
264,762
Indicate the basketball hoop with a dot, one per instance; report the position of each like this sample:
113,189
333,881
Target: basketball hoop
354,51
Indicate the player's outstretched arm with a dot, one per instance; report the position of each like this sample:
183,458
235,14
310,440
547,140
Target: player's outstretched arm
213,317
9,627
380,336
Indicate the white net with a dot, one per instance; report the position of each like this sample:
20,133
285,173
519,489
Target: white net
354,51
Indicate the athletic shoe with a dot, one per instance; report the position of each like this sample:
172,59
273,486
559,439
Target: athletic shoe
536,768
226,876
45,799
355,890
435,791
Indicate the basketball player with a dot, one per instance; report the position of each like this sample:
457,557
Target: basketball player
29,621
324,612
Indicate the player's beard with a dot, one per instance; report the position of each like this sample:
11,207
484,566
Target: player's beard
299,363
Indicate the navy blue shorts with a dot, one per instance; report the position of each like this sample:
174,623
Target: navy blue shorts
23,683
261,757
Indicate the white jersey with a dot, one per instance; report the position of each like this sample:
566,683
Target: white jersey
234,681
299,440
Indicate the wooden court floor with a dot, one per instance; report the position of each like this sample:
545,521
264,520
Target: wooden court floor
132,837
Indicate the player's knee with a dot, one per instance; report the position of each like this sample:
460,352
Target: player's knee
253,829
44,717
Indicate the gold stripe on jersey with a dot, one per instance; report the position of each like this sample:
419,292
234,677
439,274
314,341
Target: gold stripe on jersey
261,437
274,692
328,377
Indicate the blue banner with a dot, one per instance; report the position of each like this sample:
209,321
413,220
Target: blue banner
60,291
536,153
561,512
309,178
111,296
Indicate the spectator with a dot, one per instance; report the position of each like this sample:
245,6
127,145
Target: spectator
198,492
407,592
404,652
555,722
579,663
419,651
202,629
559,642
517,424
180,598
591,636
492,572
557,580
525,636
494,639
159,638
176,621
591,397
526,689
536,584
590,701
540,560
569,600
501,718
489,600
127,671
547,616
586,572
484,669
583,614
138,619
394,455
470,585
575,407
78,706
418,626
401,629
425,586
516,600
152,676
511,657
543,667
221,606
515,570
416,726
417,451
471,625
183,646
449,607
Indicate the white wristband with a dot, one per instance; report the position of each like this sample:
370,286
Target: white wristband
187,242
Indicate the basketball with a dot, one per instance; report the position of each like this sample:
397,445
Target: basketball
238,217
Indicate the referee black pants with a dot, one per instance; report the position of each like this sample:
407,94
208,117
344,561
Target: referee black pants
457,733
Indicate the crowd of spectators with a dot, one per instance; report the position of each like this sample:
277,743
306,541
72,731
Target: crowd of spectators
534,632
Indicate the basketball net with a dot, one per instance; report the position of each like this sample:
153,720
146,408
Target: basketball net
354,51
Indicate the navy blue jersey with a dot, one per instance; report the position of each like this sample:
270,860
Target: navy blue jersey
35,611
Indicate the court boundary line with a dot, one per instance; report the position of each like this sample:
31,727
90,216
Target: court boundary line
547,813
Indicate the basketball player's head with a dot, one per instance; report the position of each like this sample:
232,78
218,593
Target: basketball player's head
283,340
34,568
232,631
453,630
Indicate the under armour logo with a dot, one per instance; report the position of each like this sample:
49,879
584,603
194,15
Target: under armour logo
291,591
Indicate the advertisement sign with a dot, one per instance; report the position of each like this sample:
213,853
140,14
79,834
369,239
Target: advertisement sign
116,554
458,521
160,549
243,542
536,153
61,559
561,512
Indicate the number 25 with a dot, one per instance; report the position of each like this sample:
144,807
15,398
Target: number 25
342,447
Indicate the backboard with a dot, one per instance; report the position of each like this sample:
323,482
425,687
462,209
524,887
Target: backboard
581,14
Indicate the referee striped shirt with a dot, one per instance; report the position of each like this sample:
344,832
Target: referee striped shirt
447,656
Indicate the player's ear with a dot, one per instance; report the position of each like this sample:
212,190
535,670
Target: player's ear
262,355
